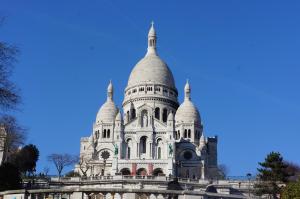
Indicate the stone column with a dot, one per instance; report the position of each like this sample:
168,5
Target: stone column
202,170
138,150
150,151
77,195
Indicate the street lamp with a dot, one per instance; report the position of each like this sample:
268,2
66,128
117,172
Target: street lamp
249,178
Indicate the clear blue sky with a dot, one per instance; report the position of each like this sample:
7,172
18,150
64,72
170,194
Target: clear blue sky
242,59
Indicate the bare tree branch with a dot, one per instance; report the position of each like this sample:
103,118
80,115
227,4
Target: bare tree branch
61,161
9,96
83,166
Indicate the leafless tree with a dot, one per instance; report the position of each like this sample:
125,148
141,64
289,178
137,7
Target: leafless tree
83,166
223,169
62,160
46,171
293,170
9,97
15,135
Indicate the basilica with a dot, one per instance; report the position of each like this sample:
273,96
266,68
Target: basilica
153,134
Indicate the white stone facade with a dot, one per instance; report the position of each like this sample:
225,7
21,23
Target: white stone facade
154,135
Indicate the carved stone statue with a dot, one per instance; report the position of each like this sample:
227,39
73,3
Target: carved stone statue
145,119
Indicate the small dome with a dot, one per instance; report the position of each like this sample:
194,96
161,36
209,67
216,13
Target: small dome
187,112
151,69
108,111
119,116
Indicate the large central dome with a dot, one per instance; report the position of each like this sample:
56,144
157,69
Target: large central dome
151,69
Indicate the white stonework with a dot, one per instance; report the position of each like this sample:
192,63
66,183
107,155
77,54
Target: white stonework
3,135
153,134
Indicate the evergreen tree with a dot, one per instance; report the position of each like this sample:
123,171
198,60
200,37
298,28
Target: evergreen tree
26,159
9,177
272,174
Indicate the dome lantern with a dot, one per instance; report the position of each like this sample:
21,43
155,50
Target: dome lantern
187,91
151,41
110,91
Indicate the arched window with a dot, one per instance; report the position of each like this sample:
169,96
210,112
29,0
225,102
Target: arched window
108,133
128,148
143,145
178,135
157,113
127,116
185,133
104,133
189,133
133,114
128,152
159,153
165,115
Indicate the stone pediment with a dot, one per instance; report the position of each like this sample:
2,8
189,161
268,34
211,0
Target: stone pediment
159,126
133,125
145,107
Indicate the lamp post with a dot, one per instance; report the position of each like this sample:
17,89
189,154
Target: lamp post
249,178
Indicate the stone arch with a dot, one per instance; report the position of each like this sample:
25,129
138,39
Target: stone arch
159,148
128,148
97,196
159,152
125,171
158,172
141,172
159,138
142,196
